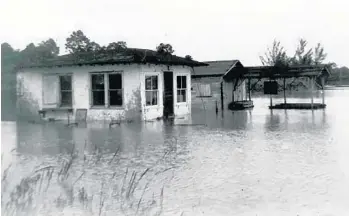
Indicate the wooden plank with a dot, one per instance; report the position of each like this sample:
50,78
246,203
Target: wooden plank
80,115
285,90
323,89
222,97
50,90
299,106
312,91
249,89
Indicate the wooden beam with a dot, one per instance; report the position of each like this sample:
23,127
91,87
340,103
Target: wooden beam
222,98
285,90
323,89
246,90
312,91
249,89
232,97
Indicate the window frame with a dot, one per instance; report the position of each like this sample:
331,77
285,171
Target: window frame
186,88
122,90
152,90
60,90
106,90
58,103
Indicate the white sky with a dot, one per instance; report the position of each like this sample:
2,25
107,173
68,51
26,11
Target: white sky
207,30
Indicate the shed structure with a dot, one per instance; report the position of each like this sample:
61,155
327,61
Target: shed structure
316,74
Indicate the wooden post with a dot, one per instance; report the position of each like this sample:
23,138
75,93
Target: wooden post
285,90
249,89
68,118
246,91
312,91
222,98
323,90
271,98
216,107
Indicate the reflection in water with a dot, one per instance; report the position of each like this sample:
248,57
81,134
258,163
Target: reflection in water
237,120
273,121
301,121
252,162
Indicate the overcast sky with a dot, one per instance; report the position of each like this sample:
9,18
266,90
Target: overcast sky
207,30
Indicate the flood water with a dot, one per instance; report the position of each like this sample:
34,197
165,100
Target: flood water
254,162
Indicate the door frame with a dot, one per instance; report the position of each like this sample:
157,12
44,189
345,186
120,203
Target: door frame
164,95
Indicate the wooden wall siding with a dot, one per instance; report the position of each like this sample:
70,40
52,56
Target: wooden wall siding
213,82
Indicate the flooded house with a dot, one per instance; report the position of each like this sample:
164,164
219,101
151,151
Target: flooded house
107,85
208,83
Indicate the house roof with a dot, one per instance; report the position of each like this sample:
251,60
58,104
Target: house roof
215,68
126,56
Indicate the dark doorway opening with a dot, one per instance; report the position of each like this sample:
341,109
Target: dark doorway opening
168,94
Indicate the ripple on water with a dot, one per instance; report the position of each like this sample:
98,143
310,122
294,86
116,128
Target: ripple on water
280,163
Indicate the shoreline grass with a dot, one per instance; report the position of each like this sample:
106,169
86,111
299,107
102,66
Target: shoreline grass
66,183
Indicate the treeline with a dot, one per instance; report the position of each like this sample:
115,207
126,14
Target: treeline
77,42
277,55
303,55
339,76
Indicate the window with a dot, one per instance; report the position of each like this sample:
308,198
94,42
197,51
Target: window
115,89
65,83
57,90
151,90
106,89
181,89
98,88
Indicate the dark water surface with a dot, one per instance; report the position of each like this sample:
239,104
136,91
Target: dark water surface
253,162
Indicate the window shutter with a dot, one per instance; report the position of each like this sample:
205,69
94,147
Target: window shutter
50,90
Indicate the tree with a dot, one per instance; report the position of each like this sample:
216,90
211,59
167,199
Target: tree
6,49
276,56
302,57
79,42
320,55
48,48
188,57
120,45
117,45
9,56
92,46
340,74
164,48
45,50
9,59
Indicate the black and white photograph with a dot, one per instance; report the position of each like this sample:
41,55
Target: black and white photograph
174,108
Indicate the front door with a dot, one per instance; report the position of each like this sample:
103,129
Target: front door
168,94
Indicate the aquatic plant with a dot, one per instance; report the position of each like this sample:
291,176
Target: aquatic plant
128,189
